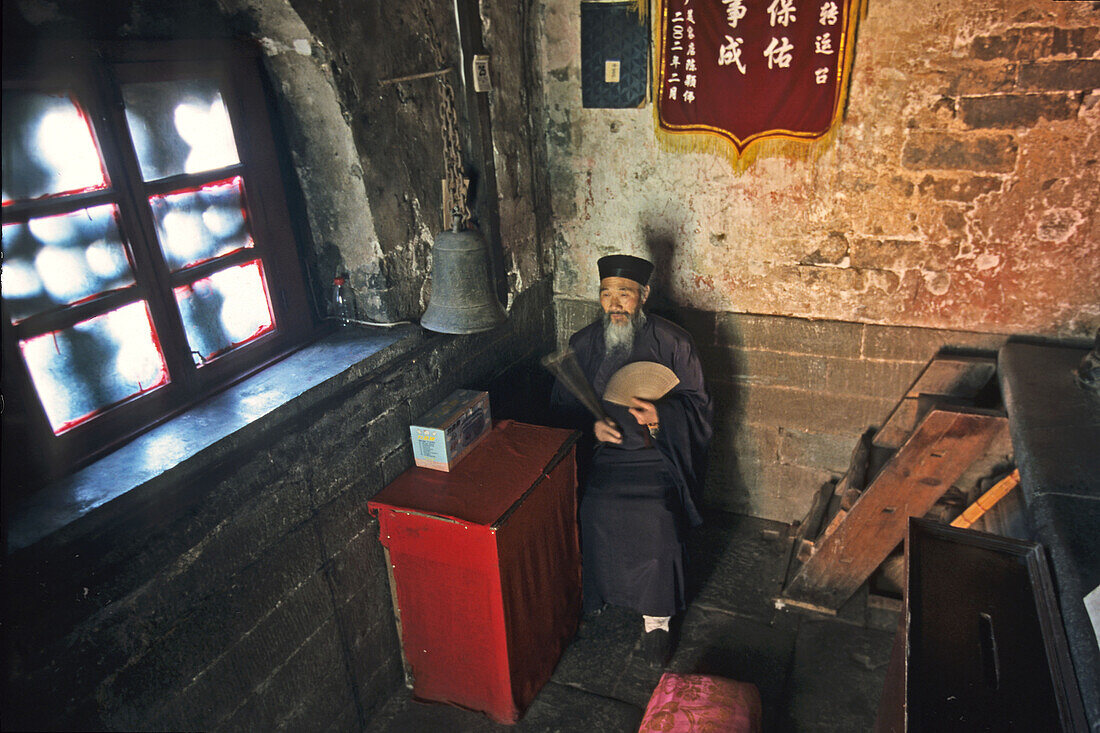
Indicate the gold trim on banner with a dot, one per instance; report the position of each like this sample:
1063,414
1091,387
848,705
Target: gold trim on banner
769,143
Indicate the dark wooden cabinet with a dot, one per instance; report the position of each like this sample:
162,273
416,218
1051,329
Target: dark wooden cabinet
981,646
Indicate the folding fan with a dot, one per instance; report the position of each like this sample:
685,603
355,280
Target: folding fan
646,380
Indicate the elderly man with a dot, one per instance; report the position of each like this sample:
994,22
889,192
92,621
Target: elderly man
638,498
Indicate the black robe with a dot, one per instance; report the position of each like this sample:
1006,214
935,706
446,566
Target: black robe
639,497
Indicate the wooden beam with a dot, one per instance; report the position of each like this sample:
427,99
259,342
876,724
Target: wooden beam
803,546
855,480
945,443
986,501
961,377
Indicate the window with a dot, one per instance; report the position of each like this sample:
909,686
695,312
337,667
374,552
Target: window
148,254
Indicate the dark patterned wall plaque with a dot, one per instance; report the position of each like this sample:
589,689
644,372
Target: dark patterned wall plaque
614,54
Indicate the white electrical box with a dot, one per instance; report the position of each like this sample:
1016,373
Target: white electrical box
482,82
443,435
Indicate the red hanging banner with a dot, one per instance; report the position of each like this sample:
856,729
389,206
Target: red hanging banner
751,77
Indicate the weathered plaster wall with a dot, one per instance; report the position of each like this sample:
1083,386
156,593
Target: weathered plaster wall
515,104
338,228
960,192
396,133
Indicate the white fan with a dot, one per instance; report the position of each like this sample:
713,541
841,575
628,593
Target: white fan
645,380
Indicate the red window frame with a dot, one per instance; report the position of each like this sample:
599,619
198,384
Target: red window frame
94,74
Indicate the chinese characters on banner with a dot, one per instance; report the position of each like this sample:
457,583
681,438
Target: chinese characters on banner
758,74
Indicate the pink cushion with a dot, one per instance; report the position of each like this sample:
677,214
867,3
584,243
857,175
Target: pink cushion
699,702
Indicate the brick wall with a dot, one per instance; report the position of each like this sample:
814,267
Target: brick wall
792,396
253,596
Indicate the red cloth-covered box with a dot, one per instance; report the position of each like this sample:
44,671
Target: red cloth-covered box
485,568
688,703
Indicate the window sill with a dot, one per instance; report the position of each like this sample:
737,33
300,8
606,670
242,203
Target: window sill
204,435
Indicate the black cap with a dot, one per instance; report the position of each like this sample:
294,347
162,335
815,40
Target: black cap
628,266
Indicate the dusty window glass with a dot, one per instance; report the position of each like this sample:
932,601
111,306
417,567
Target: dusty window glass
226,310
80,371
148,259
48,147
199,225
62,259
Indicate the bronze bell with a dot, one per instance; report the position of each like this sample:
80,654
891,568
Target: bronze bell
462,299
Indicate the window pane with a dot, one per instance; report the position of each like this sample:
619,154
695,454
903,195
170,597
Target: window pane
225,310
179,127
62,259
195,226
48,147
82,370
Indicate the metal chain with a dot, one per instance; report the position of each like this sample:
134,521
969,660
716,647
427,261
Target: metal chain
448,124
452,151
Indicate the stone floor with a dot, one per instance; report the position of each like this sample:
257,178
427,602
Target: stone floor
814,673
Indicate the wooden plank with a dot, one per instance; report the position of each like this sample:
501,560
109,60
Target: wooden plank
827,500
885,603
945,443
957,376
809,527
855,480
986,501
946,376
902,422
1007,518
835,522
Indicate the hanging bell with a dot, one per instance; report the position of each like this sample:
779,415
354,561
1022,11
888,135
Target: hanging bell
462,299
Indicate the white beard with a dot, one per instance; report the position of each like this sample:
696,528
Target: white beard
619,337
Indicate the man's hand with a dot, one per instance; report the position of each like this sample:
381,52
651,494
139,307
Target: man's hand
644,412
607,431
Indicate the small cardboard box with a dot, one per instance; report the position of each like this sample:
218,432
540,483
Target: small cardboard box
448,431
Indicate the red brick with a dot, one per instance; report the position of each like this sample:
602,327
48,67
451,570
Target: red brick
963,189
1017,43
831,252
896,254
1006,111
1081,42
948,151
1076,75
983,79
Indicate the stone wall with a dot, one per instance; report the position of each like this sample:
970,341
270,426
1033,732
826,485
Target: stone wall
254,595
